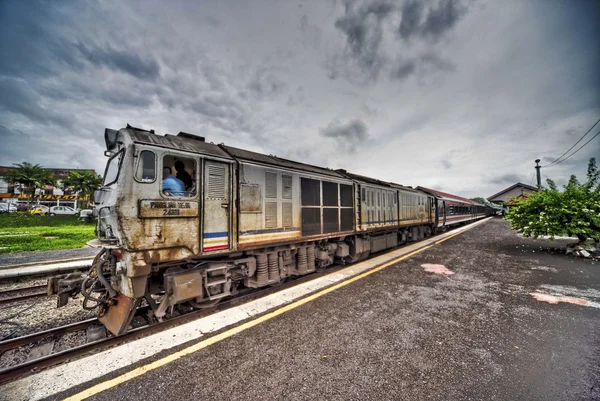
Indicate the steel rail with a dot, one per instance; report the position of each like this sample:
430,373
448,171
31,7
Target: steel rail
23,369
8,296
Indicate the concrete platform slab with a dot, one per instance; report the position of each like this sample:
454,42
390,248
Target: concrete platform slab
19,259
32,388
400,333
42,269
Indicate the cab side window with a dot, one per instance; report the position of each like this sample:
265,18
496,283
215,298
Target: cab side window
146,167
178,176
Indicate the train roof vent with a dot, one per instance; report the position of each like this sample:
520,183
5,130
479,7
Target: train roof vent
139,129
191,136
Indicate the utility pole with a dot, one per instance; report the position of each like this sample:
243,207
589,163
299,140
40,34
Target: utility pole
537,169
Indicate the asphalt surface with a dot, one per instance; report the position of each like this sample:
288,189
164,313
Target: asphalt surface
403,333
16,258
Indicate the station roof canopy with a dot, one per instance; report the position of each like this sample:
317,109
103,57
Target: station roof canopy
515,190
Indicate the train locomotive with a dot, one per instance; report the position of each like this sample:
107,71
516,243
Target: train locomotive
243,220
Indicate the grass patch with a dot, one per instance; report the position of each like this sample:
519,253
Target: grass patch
22,232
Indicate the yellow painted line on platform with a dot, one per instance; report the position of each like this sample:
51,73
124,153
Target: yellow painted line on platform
106,385
454,235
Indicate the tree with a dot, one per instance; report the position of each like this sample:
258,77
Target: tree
84,183
30,178
574,211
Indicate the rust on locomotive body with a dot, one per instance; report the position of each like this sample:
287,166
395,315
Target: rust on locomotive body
184,223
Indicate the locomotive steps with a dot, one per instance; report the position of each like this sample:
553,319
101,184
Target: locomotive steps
207,330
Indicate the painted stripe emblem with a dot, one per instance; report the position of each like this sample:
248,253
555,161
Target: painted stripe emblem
215,241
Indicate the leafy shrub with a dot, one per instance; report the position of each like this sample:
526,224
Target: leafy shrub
574,211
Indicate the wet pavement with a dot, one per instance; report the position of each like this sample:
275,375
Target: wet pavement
18,258
454,322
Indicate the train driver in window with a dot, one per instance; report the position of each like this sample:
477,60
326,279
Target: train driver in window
171,185
183,175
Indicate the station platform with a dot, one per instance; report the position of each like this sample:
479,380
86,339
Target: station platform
22,259
482,314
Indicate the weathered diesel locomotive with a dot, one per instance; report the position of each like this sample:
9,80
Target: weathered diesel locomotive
244,220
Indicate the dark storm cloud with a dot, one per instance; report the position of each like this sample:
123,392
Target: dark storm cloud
348,135
508,179
446,163
411,18
174,68
209,107
127,61
113,92
365,26
20,98
431,24
29,34
362,26
427,64
432,63
266,84
404,70
14,144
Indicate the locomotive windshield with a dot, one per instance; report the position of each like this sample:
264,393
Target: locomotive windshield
112,168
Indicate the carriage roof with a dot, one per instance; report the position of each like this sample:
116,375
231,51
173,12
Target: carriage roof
247,155
176,142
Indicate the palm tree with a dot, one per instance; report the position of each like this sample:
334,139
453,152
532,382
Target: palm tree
84,183
30,178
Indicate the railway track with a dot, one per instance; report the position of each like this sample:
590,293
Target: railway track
20,294
31,341
31,365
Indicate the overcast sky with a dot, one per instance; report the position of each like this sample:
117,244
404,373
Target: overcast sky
460,96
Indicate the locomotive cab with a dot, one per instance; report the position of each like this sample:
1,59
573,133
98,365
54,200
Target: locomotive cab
143,220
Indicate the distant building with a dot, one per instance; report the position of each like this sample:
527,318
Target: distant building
49,196
519,190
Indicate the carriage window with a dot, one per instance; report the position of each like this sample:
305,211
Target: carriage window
146,167
346,195
179,176
330,193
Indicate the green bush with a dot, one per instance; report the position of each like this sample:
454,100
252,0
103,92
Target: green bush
574,211
24,232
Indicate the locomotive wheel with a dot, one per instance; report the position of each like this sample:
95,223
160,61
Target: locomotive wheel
204,304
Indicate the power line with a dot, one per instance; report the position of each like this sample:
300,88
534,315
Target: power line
532,178
567,158
557,160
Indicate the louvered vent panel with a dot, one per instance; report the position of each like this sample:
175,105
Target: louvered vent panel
286,186
216,182
286,212
271,185
270,214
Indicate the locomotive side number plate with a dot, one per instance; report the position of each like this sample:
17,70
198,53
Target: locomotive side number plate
170,208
